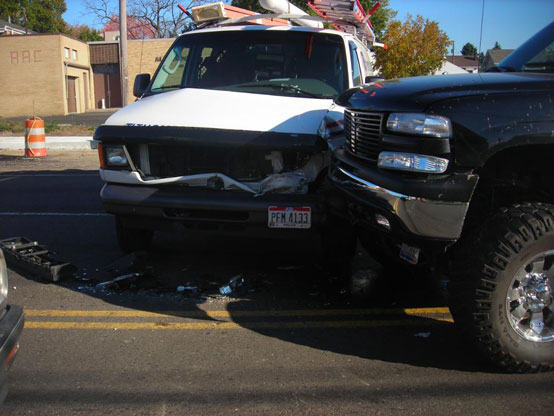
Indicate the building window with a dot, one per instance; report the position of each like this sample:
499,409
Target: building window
74,54
66,53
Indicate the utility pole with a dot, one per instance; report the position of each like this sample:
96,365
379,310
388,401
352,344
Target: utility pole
123,50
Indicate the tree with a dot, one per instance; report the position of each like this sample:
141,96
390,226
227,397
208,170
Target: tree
469,50
416,47
43,16
162,16
136,28
84,33
497,45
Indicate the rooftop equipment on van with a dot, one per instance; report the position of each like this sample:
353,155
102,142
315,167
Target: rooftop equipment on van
344,15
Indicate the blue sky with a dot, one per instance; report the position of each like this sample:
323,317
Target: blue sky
510,22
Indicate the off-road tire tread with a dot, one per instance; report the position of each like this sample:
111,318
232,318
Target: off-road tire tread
477,260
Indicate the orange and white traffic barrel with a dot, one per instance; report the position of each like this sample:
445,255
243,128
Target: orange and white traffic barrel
35,140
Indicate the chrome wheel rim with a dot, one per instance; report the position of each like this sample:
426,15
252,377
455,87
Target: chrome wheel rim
530,300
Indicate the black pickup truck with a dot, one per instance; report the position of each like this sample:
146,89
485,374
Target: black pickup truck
454,172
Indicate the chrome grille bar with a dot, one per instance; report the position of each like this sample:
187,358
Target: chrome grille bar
362,130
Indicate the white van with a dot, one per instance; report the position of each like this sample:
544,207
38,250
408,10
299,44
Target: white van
231,133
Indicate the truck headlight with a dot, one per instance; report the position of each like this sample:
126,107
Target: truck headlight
3,278
415,123
116,156
412,162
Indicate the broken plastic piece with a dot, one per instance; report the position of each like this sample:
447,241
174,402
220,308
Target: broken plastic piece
128,278
188,290
233,286
423,335
284,183
28,255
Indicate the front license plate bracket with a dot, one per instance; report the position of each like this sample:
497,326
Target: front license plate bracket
289,217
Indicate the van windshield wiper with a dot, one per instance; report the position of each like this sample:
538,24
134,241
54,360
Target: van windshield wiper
165,87
281,87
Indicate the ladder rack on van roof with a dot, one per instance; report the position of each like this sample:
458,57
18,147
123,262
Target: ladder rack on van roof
347,16
344,15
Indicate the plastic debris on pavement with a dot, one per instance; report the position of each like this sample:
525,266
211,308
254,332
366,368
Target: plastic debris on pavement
188,290
29,256
118,282
233,287
422,335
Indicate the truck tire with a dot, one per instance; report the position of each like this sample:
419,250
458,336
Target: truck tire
132,239
502,288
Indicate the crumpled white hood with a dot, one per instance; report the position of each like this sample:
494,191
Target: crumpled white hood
225,110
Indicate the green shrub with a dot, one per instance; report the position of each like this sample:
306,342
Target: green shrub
51,126
12,126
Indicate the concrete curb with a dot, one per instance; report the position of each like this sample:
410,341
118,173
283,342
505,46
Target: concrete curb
52,143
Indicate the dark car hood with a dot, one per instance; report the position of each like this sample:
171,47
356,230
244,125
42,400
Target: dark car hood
417,93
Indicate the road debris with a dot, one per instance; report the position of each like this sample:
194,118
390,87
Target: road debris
233,287
120,282
188,290
422,335
24,254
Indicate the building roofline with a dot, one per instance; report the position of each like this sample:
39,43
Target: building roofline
5,23
45,34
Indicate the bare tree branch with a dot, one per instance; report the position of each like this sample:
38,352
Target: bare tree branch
162,17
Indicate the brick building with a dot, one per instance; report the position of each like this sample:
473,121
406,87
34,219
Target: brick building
143,56
54,74
43,74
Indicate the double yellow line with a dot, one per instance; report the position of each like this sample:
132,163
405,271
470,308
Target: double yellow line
226,320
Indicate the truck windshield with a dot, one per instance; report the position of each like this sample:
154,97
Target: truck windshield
535,55
301,64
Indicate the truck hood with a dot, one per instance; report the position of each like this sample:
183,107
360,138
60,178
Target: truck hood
417,93
199,108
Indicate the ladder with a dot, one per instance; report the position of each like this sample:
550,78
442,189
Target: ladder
347,16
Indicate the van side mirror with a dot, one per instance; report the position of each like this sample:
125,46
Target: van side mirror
141,84
372,78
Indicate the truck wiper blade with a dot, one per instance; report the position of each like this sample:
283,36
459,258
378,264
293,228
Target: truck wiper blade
501,69
281,87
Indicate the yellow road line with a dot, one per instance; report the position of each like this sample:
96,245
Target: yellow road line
232,314
227,325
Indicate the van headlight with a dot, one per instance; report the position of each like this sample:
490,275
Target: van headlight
3,278
416,123
115,156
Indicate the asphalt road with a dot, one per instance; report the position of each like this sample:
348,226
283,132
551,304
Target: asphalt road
295,340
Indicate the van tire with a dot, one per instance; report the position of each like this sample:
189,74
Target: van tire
132,239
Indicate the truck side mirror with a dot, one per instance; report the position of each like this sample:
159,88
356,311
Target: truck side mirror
372,78
141,84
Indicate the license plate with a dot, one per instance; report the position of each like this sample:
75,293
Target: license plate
289,217
410,254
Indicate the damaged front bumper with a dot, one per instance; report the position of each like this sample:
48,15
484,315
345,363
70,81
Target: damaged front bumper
173,207
416,212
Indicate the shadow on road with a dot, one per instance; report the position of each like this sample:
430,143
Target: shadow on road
279,276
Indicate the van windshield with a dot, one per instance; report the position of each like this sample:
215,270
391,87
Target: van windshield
301,64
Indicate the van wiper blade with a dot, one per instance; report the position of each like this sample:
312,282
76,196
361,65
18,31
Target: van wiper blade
164,87
281,87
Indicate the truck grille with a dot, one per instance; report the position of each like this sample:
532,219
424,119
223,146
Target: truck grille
362,131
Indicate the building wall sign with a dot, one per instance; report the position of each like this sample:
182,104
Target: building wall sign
25,57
